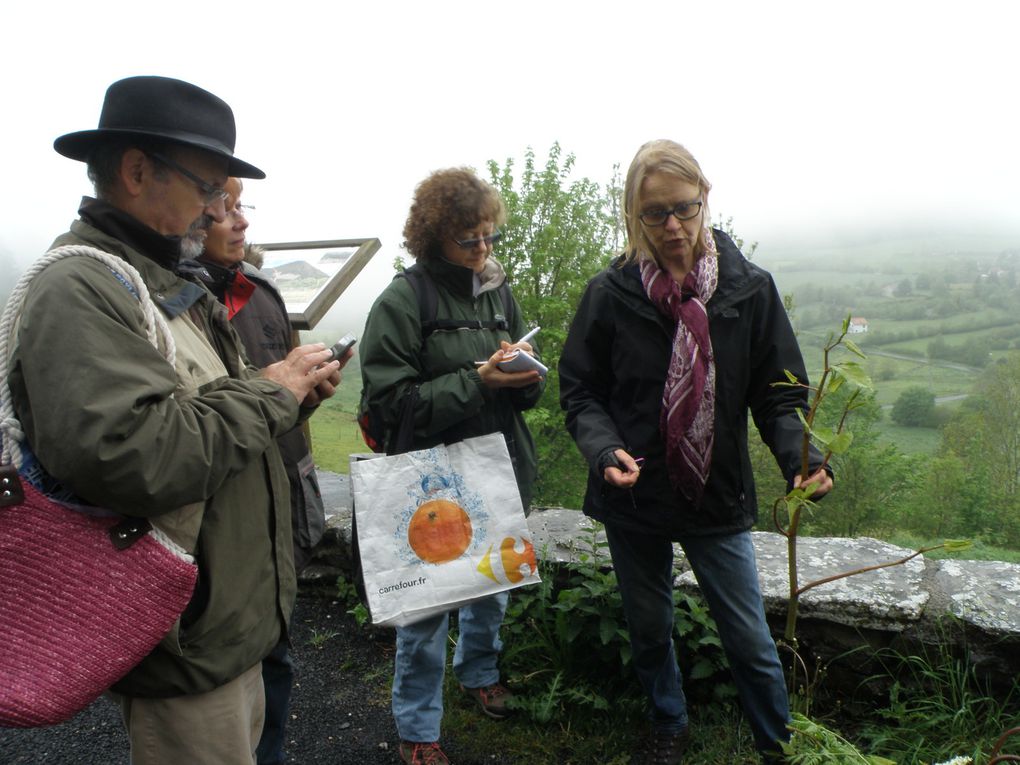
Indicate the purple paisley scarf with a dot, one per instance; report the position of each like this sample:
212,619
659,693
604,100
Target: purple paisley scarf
688,399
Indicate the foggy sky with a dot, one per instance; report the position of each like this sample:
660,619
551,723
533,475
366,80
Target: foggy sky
805,116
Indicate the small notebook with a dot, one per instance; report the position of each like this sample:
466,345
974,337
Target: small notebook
519,361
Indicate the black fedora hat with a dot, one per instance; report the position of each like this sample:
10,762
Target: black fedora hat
164,108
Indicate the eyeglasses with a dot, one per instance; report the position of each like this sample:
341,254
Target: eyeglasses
240,211
210,194
683,211
470,244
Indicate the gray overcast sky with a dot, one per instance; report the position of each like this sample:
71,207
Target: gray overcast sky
843,114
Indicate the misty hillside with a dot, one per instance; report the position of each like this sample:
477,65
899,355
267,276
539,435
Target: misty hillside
298,269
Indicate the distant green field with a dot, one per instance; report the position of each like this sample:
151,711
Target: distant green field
963,323
901,374
939,380
869,280
335,435
910,440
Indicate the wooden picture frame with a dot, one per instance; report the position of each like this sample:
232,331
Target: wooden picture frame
311,276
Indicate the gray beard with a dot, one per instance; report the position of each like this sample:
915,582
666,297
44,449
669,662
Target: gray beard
193,241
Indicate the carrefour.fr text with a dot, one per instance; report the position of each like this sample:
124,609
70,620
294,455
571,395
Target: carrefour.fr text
401,585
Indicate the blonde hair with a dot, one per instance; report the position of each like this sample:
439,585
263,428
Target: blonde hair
659,156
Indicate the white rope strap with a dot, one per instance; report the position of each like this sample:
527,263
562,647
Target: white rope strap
157,331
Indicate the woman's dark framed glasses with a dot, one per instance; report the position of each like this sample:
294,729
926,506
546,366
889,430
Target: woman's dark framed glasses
683,211
470,244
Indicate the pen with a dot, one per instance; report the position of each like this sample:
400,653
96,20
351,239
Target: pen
528,336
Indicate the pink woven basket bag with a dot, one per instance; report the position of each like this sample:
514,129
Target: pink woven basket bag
77,611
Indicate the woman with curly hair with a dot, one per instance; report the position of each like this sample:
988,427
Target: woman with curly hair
450,231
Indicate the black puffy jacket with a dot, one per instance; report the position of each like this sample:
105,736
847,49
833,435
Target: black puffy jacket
612,374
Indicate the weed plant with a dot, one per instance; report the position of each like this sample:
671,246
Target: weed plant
939,707
567,648
814,744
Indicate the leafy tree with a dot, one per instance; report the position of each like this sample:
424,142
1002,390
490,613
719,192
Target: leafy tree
950,499
915,407
559,233
938,348
985,435
885,371
726,226
872,477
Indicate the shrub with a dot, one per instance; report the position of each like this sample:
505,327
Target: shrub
561,636
915,407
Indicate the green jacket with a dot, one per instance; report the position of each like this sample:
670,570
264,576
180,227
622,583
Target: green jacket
182,445
453,402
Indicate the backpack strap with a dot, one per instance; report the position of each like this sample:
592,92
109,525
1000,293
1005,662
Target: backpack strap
426,295
508,303
428,305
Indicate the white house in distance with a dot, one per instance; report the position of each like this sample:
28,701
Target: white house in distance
858,325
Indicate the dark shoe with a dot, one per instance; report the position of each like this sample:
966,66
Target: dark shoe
417,753
492,699
665,747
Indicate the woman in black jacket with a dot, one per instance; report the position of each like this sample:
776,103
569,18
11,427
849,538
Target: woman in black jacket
670,347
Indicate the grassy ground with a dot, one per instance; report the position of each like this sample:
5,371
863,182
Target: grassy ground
718,736
910,440
335,435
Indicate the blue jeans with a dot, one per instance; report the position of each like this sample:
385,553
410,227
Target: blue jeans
421,662
277,680
725,568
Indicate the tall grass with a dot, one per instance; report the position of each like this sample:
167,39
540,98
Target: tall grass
938,707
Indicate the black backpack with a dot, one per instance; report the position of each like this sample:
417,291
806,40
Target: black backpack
372,429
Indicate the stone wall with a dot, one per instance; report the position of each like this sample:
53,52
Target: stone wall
967,607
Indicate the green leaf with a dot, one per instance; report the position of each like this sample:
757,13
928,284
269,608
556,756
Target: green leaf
957,545
840,444
853,372
709,639
834,384
796,496
702,668
852,347
823,434
791,376
607,629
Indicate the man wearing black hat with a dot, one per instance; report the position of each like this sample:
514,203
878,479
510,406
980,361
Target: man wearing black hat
189,446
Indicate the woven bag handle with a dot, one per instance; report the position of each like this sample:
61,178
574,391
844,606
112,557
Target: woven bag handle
156,330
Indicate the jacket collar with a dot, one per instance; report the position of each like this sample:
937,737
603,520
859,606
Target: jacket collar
459,280
215,277
167,289
165,250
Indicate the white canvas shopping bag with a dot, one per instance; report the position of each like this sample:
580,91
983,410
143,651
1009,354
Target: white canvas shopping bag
438,528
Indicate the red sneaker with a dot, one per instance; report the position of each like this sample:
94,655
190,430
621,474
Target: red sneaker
420,753
492,699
